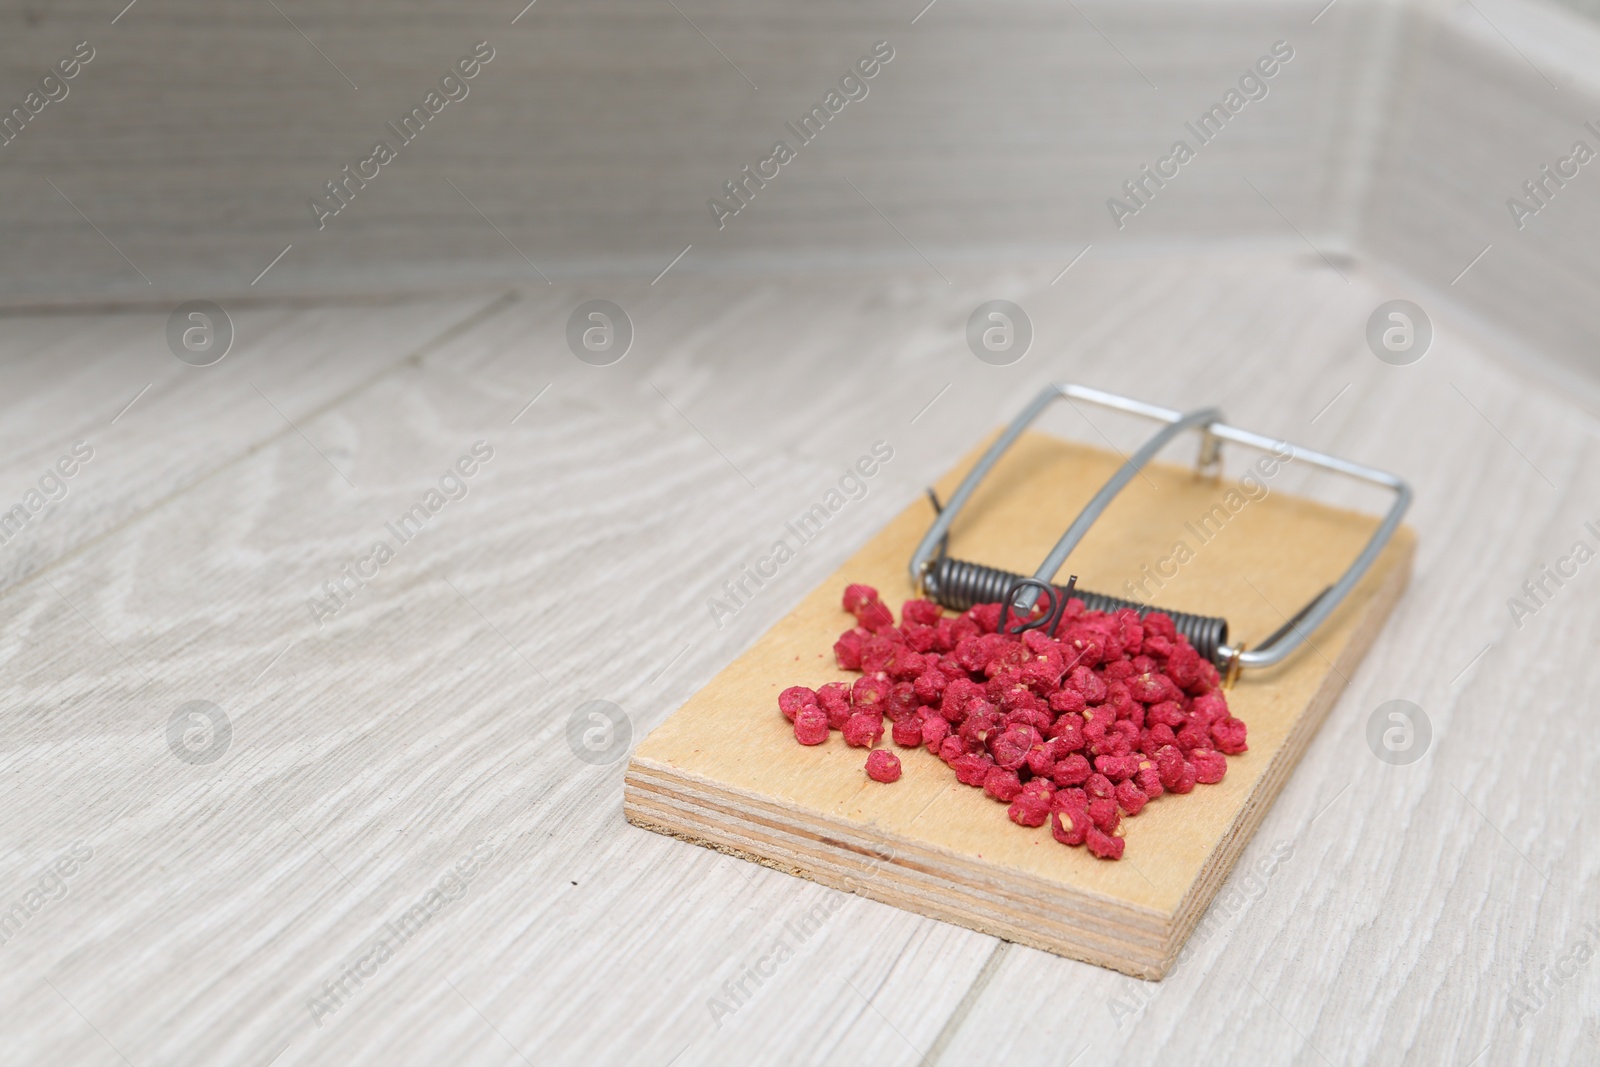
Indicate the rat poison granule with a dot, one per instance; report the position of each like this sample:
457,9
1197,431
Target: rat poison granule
883,765
1074,729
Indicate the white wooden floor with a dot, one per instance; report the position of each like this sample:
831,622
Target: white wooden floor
373,753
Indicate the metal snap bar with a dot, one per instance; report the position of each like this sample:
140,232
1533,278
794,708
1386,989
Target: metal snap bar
958,584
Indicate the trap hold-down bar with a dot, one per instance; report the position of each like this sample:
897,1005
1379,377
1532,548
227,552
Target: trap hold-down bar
958,584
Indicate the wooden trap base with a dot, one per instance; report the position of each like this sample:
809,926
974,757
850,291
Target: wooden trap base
724,771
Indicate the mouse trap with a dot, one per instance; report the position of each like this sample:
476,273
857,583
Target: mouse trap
1281,594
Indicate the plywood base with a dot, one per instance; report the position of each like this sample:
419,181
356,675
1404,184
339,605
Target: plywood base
724,770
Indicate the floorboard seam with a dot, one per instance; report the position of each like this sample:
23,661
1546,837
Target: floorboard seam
947,1034
412,358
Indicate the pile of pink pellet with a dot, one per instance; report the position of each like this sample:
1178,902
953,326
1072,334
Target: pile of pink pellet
1077,728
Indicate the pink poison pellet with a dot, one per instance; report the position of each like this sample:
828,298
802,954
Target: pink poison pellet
1078,729
883,765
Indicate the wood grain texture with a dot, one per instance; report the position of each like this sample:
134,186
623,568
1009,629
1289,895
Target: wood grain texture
377,750
156,426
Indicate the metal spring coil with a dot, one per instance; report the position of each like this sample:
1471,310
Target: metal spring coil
958,585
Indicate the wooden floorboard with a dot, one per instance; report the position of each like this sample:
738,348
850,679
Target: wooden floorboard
153,426
370,754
